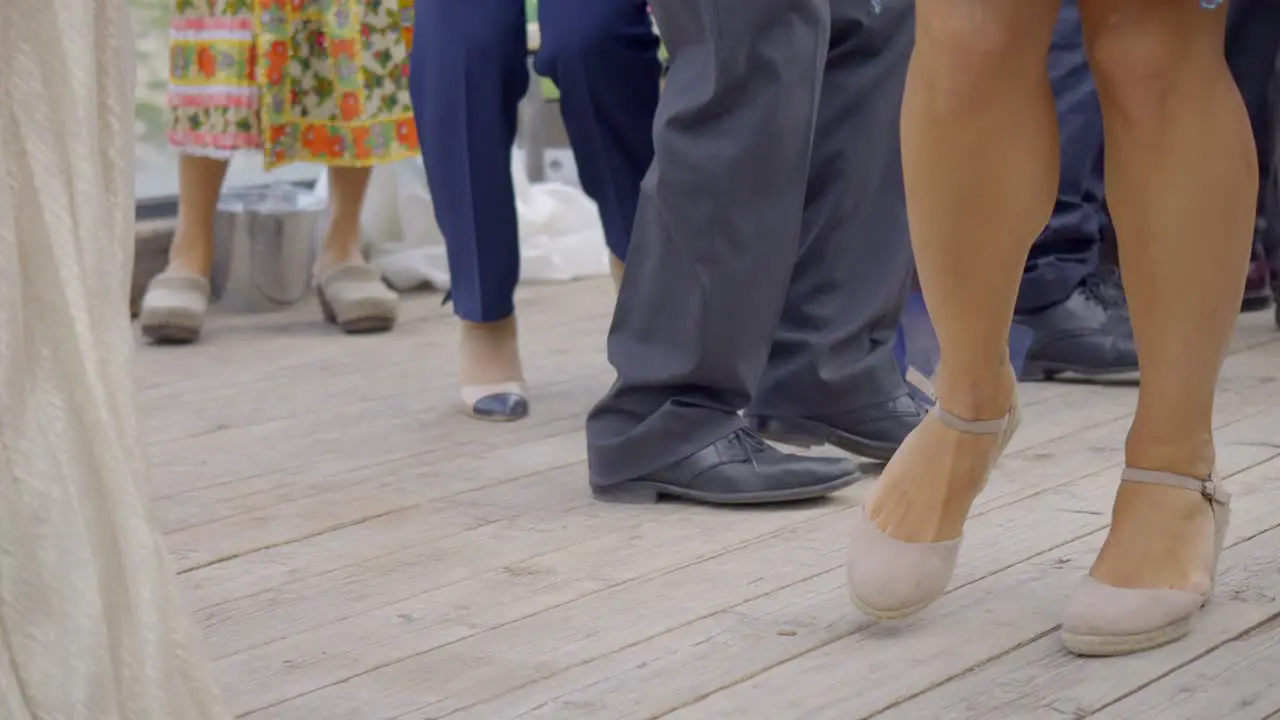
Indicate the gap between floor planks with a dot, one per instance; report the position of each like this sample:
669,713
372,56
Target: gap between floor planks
396,494
328,429
371,362
565,500
796,580
857,667
1248,391
234,518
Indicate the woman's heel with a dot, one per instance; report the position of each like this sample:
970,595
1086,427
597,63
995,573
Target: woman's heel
1103,620
492,379
889,579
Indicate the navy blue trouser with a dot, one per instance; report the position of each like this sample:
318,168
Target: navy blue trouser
469,72
1253,40
1068,248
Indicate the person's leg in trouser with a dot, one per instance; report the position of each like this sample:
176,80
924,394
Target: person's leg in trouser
469,76
1253,40
717,232
469,72
603,55
831,375
1076,314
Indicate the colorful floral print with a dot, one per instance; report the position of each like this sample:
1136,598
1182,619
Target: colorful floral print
323,81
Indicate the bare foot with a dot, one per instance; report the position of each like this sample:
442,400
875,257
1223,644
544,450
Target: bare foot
925,492
1160,538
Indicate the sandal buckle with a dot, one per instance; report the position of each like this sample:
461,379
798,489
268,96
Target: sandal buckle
1209,490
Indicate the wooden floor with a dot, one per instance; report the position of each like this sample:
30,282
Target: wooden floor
357,549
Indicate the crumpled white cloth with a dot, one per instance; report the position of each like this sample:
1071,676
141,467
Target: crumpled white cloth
91,624
560,234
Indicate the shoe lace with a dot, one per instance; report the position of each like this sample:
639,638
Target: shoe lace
751,444
1107,288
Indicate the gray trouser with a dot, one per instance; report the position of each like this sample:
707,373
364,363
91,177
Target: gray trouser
770,254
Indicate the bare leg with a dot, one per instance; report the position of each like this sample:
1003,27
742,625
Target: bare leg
616,269
199,184
342,243
490,356
980,155
173,308
352,293
1182,183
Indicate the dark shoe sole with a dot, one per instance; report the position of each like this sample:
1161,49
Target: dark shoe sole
1034,371
170,334
366,326
496,418
1256,302
355,326
798,432
644,492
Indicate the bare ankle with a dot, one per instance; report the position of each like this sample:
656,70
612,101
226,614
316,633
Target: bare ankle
490,331
191,253
616,269
339,248
977,394
490,352
1180,452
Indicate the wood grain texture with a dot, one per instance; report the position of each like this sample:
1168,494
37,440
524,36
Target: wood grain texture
358,549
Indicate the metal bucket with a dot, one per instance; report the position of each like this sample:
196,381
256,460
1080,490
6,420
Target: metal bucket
264,247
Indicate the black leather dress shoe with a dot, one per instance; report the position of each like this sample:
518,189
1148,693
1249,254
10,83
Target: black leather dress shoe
738,469
1087,334
873,432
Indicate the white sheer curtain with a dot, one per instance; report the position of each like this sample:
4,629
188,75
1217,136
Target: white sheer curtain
91,625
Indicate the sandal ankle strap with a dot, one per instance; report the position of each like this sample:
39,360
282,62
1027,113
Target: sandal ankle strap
1209,489
971,427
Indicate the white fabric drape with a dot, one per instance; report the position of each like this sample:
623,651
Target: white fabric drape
91,625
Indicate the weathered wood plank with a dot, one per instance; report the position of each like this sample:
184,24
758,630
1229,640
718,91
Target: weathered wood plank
881,666
1236,681
725,648
357,549
520,652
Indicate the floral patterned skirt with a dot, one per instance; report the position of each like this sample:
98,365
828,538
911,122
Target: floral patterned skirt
323,81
